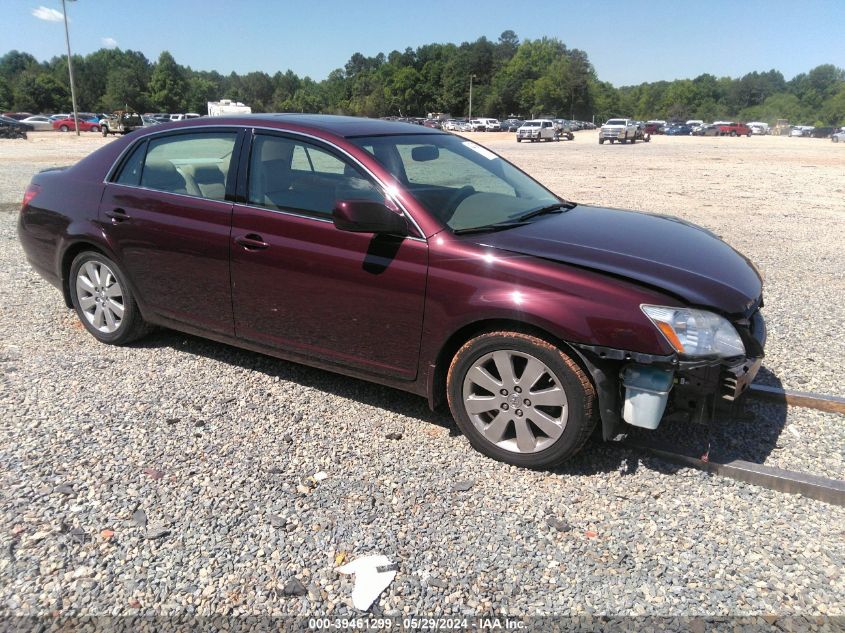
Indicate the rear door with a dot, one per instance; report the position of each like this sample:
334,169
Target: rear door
300,284
167,217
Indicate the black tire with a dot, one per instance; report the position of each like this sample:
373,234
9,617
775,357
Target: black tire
580,396
64,128
105,130
601,141
131,326
733,133
633,140
95,129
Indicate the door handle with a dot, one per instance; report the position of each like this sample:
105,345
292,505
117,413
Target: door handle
252,242
117,215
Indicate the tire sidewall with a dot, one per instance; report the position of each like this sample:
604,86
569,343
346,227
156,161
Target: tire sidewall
579,401
131,315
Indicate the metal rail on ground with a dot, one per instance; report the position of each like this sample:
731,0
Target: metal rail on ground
831,404
820,488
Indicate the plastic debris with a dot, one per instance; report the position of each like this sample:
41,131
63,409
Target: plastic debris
320,476
373,574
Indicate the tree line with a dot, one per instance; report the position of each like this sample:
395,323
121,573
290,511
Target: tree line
509,77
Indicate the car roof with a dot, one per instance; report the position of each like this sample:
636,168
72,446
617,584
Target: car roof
345,126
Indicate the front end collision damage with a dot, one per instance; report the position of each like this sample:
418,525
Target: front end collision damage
640,389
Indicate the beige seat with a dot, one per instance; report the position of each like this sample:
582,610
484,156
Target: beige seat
210,181
163,176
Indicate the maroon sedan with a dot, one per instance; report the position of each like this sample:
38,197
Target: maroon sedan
405,256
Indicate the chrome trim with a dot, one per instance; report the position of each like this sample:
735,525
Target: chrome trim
379,181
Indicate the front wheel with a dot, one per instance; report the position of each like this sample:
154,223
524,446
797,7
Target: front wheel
521,400
103,300
105,131
601,141
63,128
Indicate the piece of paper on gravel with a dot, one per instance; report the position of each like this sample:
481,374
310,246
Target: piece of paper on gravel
372,576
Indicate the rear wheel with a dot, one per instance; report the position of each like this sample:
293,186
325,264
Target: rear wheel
103,300
521,400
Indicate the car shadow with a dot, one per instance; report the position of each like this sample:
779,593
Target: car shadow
365,392
748,430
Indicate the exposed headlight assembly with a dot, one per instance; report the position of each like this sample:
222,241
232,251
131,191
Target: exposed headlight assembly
696,333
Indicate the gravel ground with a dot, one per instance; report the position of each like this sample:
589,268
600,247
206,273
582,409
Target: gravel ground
172,477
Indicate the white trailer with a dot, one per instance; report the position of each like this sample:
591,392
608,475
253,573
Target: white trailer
227,106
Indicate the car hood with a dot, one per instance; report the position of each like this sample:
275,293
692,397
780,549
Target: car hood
664,252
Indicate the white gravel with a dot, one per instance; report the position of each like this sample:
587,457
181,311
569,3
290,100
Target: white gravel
215,445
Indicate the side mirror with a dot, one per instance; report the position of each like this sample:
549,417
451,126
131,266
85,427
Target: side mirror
366,216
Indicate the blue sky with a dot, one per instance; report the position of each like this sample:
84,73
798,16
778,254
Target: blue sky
654,40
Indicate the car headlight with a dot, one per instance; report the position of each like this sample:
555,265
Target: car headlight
696,333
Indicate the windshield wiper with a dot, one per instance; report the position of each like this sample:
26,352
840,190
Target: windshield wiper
499,226
558,207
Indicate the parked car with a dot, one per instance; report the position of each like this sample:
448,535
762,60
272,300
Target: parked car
758,128
801,130
622,130
85,125
709,129
734,129
822,132
492,125
121,122
838,136
466,126
12,128
468,283
511,125
652,128
477,125
39,122
537,130
680,129
17,116
434,124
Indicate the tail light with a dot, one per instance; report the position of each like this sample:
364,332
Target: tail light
29,194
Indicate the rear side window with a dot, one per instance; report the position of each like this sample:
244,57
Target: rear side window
288,174
190,164
130,173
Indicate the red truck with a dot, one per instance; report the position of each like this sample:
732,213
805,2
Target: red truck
734,129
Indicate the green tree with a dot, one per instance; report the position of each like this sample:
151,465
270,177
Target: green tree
168,87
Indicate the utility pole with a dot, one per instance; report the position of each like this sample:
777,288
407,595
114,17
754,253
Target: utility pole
70,70
471,77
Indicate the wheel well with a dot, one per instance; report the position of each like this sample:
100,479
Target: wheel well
67,260
470,331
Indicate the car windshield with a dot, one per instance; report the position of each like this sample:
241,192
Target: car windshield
531,124
463,184
616,122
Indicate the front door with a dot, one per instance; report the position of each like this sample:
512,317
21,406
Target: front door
300,284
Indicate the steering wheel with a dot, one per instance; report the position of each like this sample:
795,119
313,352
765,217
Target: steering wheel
456,198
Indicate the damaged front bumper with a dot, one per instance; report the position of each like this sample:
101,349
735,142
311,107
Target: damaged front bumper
641,389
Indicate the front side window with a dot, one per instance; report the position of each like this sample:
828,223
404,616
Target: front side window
463,184
191,164
293,175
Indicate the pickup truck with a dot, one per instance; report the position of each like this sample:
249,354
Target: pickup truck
537,130
121,122
734,129
622,130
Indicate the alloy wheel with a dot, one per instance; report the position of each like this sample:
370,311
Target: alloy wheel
515,401
100,296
